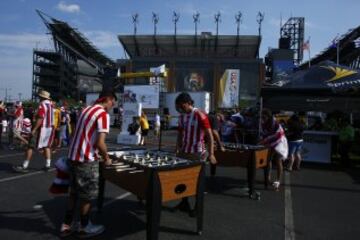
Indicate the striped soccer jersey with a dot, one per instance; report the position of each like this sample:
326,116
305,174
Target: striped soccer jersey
192,126
46,112
93,120
272,133
19,115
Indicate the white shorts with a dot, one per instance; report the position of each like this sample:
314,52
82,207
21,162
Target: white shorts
46,137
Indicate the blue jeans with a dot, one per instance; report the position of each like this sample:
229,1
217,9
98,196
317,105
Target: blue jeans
295,147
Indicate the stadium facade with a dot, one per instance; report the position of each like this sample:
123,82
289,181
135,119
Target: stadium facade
205,57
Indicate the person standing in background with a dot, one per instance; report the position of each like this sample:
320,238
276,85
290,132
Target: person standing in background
10,114
144,123
214,124
294,134
157,125
57,120
18,117
273,136
43,132
346,138
2,118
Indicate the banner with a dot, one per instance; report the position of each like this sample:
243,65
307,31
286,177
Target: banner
228,93
147,95
158,80
131,110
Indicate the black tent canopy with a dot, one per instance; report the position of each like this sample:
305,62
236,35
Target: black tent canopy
325,87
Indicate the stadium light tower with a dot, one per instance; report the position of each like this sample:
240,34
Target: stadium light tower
135,20
259,19
196,17
176,17
238,19
217,20
155,19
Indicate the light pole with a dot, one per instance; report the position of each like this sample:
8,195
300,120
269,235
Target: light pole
6,93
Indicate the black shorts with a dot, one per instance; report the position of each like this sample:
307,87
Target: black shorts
144,132
32,142
84,180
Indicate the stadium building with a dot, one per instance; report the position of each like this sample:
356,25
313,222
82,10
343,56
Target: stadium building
202,59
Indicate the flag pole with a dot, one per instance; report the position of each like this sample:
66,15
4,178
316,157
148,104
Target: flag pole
309,46
337,52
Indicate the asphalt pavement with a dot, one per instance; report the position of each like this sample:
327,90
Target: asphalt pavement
318,202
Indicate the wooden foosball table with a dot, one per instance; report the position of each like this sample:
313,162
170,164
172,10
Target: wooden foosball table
252,157
156,177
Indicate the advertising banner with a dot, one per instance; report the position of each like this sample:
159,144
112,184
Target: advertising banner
228,93
147,95
131,110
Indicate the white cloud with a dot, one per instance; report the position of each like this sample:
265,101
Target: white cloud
23,40
16,63
102,39
68,8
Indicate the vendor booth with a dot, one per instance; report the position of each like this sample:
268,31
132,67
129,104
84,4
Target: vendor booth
326,87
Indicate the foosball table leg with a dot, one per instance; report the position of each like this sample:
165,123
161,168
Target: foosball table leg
153,208
266,177
200,201
251,175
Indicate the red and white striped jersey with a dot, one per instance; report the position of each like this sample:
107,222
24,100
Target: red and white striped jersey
19,116
26,126
93,120
192,126
46,112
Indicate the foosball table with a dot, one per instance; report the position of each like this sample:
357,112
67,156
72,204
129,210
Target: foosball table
252,157
157,177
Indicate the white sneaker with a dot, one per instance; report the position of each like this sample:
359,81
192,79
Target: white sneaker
20,169
90,230
66,230
276,185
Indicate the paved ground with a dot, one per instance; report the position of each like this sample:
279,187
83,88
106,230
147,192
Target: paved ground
316,203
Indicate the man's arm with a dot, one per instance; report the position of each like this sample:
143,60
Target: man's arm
210,144
217,139
101,146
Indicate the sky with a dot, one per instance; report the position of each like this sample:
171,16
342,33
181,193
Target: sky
21,29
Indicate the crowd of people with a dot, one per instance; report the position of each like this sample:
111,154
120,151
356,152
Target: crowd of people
53,125
48,127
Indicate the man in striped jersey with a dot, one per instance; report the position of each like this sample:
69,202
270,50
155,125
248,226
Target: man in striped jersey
88,140
42,132
194,128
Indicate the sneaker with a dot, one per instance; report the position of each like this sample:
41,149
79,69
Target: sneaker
20,169
276,185
90,230
46,168
67,230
